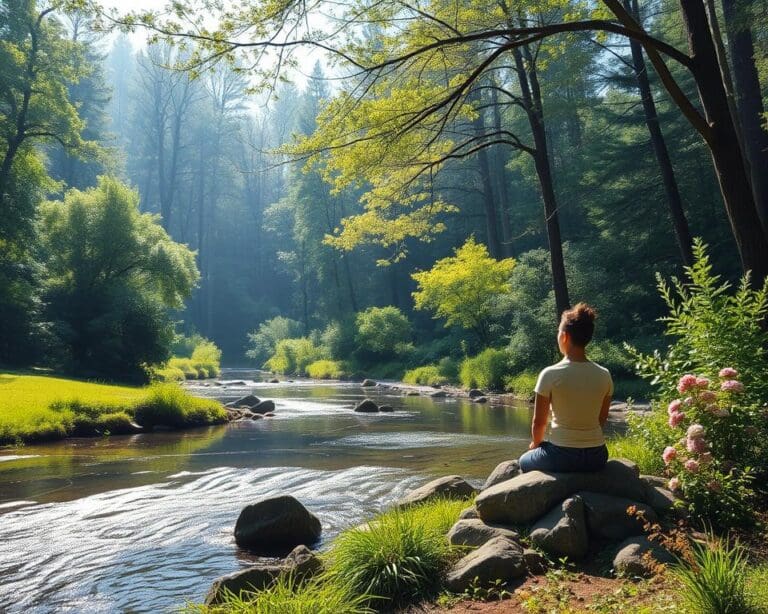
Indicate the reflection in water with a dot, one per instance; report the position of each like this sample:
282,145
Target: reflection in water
144,523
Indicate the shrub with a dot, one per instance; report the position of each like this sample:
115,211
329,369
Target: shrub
185,366
169,374
338,338
613,357
400,555
168,405
207,356
326,369
264,340
115,423
522,384
382,331
715,581
486,370
293,356
426,376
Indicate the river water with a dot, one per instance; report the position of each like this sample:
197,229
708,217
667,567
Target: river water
144,523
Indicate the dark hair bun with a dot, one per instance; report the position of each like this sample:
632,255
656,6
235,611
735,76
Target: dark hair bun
579,323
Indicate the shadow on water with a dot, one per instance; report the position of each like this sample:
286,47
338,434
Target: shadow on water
143,523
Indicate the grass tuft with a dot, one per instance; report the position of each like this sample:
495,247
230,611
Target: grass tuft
326,369
168,405
428,375
635,449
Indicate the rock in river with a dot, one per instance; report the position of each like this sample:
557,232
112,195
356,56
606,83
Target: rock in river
449,487
367,407
264,407
368,383
276,523
246,401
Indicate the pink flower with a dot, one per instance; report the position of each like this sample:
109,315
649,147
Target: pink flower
731,385
674,484
695,431
675,419
714,486
692,466
728,373
674,406
669,455
707,396
688,401
702,382
697,445
687,382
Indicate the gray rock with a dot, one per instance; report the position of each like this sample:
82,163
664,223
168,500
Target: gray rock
474,393
246,401
660,499
276,523
654,480
249,580
449,487
274,380
528,496
535,561
480,400
303,562
412,393
607,516
387,408
263,407
269,414
438,394
504,471
468,513
368,383
637,556
474,532
255,417
563,531
367,407
498,559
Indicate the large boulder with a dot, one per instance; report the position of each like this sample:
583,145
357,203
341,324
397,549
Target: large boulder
563,531
607,516
367,407
449,487
276,524
438,394
638,556
264,407
474,532
497,559
660,499
504,471
249,580
528,496
248,400
467,513
475,392
535,561
368,383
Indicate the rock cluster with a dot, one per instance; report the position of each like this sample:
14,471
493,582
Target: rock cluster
250,407
367,406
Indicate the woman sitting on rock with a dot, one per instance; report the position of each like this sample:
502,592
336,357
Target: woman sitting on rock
578,391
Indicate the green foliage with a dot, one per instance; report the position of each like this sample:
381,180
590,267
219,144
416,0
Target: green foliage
397,557
264,340
382,331
487,370
613,357
111,274
636,450
463,289
327,369
207,356
521,385
293,356
168,405
429,375
288,595
338,338
757,586
715,580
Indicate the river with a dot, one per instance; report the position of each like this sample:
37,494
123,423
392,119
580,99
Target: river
144,523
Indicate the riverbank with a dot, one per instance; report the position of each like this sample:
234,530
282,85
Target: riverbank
36,408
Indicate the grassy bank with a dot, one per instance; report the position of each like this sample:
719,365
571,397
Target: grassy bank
39,408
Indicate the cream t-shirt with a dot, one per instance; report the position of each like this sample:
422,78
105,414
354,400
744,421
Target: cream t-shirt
576,391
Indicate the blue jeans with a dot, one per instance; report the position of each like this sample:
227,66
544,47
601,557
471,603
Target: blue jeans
549,457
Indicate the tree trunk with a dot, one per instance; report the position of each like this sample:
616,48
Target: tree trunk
489,204
501,178
749,102
730,166
674,201
531,94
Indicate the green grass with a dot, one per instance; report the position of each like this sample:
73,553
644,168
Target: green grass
37,408
398,556
522,384
716,582
636,450
428,375
288,596
327,369
757,587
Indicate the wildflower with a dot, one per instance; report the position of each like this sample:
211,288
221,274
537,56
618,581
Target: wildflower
692,466
675,419
687,382
688,401
669,454
707,396
732,385
695,431
674,484
702,382
728,373
674,406
697,445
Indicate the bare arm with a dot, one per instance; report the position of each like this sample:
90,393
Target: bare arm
604,410
540,420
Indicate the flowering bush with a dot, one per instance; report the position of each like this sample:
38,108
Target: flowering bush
710,462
